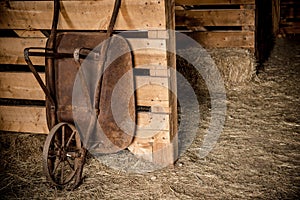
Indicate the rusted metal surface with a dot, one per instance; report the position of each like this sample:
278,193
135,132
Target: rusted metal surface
66,70
49,61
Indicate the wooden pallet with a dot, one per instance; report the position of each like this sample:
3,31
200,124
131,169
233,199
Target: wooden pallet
218,23
25,24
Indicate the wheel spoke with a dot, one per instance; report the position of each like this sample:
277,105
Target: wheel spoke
69,141
63,136
72,167
55,166
57,145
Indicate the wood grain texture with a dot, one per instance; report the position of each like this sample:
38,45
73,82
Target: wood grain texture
233,17
241,39
150,148
162,155
83,15
151,91
12,50
20,86
32,119
23,119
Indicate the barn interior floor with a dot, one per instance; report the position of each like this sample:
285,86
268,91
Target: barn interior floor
257,154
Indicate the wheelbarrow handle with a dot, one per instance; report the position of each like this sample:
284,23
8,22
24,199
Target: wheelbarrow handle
36,75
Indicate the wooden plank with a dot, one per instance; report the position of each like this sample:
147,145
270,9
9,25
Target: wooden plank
161,73
20,86
28,33
290,24
143,48
23,119
289,3
143,146
145,57
149,148
213,2
164,153
141,81
242,39
232,17
158,34
145,43
171,46
291,29
142,149
11,50
83,15
152,90
153,136
151,93
292,15
33,120
276,16
161,154
152,121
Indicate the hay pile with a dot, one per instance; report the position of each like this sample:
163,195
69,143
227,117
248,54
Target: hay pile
21,166
257,155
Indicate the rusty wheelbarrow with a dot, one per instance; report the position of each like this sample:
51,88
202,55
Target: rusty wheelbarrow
66,145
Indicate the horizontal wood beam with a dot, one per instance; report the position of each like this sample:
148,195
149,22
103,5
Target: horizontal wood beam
83,15
152,91
241,39
32,119
291,30
20,86
194,18
23,119
12,50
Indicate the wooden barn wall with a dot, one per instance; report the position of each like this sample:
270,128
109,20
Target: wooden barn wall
218,23
247,24
290,16
27,24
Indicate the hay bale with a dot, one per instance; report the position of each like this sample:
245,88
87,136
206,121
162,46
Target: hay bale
236,65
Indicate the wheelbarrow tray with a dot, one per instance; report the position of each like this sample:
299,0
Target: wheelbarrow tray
65,72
